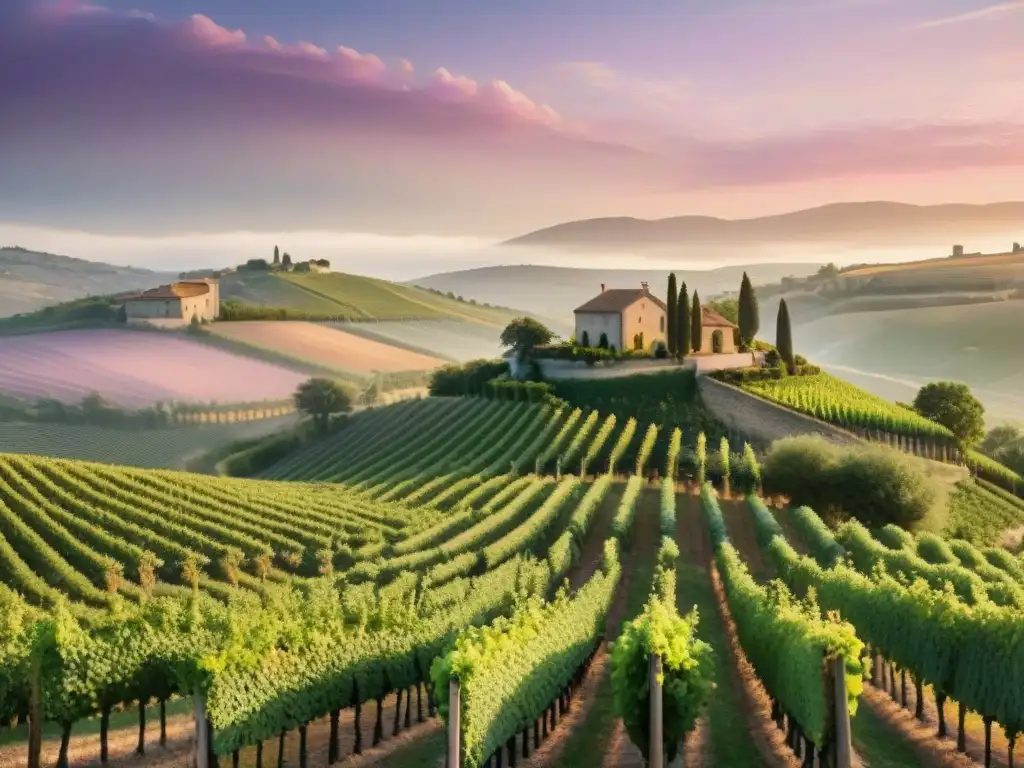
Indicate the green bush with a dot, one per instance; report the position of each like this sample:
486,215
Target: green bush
874,485
519,391
468,379
739,376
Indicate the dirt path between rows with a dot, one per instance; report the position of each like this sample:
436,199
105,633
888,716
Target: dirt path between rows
84,750
621,752
769,741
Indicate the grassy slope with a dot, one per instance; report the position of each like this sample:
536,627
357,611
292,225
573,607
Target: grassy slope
364,297
154,448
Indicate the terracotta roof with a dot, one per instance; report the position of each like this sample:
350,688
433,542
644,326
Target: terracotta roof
712,319
173,291
614,300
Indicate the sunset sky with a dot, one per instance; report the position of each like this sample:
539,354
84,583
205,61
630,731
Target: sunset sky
491,118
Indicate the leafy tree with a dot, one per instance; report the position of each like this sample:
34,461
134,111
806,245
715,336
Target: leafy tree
286,260
696,324
953,406
749,314
277,256
321,398
784,337
670,314
524,335
683,323
1000,437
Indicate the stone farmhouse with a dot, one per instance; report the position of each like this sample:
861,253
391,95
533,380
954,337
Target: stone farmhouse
633,318
174,305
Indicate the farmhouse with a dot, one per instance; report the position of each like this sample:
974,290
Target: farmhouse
175,305
632,318
629,318
316,266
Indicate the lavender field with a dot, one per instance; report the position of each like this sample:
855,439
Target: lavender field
135,369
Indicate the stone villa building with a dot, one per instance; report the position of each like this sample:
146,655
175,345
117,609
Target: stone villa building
174,305
633,318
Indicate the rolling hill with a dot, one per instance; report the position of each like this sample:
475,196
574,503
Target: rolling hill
356,297
31,280
557,291
865,223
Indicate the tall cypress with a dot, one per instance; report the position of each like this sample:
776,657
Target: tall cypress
277,255
750,320
784,337
696,324
683,323
670,315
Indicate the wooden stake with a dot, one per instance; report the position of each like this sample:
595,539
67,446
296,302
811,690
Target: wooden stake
655,755
454,712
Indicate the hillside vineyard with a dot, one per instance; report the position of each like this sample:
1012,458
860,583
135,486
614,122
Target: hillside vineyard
480,544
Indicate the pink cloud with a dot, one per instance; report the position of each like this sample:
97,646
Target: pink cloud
130,107
207,31
366,65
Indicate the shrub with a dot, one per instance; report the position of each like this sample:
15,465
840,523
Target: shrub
468,379
660,350
874,485
878,486
801,469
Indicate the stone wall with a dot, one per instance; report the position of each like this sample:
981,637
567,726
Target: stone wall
759,420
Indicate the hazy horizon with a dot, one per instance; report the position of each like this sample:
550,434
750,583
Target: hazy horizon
412,257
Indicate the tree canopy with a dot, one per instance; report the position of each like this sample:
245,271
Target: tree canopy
952,405
321,398
749,317
670,314
696,324
683,343
784,337
524,334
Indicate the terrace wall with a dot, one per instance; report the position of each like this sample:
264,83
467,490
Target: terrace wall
763,421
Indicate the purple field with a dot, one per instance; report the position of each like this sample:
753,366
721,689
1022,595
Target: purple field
135,369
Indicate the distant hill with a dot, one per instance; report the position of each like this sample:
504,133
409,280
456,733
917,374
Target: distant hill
31,280
554,292
865,224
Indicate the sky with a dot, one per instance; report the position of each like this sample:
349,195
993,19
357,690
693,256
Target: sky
462,118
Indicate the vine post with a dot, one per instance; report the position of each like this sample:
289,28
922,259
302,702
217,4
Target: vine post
656,756
202,734
454,726
844,739
35,717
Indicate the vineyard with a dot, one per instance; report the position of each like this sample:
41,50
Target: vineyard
452,571
838,402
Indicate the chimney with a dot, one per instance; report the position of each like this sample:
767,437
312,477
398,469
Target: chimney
644,286
602,287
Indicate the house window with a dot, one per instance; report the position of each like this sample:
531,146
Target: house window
662,324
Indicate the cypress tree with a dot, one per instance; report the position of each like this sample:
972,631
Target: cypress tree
670,315
784,337
750,320
683,323
696,324
277,255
